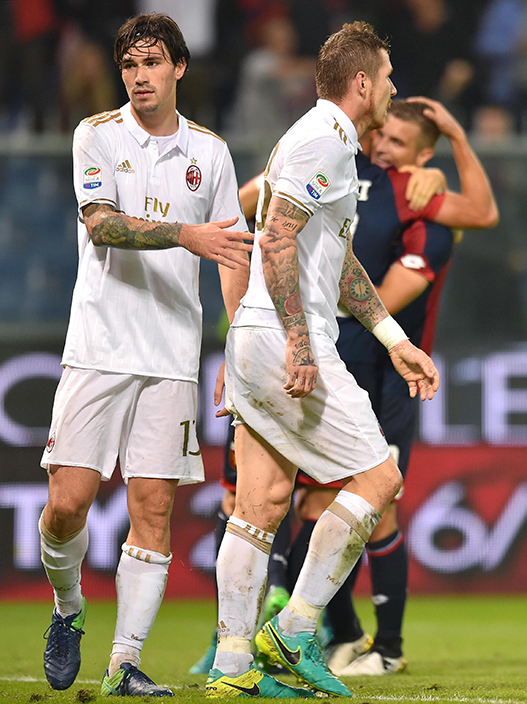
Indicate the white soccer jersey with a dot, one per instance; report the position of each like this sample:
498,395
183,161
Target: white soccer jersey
138,312
313,167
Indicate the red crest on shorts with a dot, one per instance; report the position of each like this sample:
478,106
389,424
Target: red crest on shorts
193,177
51,442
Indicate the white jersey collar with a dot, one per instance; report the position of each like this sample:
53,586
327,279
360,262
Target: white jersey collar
332,109
180,139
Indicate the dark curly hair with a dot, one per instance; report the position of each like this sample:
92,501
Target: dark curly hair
151,28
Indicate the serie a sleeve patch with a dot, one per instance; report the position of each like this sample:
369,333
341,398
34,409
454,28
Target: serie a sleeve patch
318,185
92,177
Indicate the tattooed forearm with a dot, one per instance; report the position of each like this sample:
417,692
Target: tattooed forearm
358,294
280,262
107,227
302,355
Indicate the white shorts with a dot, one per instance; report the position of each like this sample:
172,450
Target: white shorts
146,423
331,434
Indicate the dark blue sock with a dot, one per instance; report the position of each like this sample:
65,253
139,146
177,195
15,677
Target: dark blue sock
277,572
298,553
389,577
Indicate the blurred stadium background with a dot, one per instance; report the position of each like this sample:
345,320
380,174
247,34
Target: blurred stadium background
251,74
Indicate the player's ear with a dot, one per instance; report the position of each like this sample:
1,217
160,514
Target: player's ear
180,69
424,156
362,81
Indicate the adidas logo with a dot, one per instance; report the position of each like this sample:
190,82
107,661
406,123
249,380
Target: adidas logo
126,167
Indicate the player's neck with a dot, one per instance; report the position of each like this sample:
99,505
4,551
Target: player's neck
157,124
353,110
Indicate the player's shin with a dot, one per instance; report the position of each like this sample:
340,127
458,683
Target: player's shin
62,559
336,544
241,570
140,582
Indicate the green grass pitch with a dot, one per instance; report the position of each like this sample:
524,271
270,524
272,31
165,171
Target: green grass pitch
470,650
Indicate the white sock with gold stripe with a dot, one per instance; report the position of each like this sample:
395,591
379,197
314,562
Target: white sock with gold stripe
140,582
336,544
241,571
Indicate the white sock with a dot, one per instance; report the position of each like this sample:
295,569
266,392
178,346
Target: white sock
140,582
62,559
241,572
336,544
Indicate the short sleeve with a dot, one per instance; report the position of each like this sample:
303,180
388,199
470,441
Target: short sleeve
226,202
93,170
426,248
317,173
399,183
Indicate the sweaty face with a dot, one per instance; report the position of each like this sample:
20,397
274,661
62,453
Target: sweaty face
150,78
395,144
382,93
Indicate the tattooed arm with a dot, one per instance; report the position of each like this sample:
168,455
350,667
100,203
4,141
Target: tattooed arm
280,266
358,294
210,240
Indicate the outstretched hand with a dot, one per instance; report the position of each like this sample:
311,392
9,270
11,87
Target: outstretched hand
211,240
416,367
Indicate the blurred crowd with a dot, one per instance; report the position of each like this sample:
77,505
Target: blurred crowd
252,61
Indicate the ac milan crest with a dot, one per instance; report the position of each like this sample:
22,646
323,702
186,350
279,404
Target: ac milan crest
51,442
193,177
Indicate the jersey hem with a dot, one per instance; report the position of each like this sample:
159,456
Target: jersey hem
149,374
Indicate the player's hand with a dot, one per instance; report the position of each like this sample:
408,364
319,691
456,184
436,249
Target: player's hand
212,240
416,367
422,185
218,391
445,121
302,370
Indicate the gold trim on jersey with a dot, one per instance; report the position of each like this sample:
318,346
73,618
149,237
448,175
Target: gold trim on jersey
103,117
300,205
342,134
204,130
97,200
273,154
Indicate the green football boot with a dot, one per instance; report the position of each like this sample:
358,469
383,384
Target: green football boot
253,683
302,656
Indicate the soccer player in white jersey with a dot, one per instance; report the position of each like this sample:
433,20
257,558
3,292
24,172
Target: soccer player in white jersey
128,394
295,403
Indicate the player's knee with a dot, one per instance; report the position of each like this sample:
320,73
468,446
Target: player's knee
388,479
267,509
395,479
66,513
